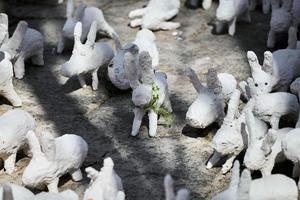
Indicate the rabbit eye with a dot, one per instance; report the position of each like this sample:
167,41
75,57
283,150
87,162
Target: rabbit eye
256,85
266,83
111,65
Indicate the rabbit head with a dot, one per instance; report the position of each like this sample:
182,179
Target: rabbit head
82,55
3,28
42,167
259,145
262,75
226,10
281,18
230,193
139,65
182,194
228,138
72,18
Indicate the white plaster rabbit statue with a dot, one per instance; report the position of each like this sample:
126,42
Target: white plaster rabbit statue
210,102
105,184
279,69
10,191
232,137
85,15
281,20
150,90
182,194
266,5
155,15
273,187
26,43
6,84
14,125
54,158
230,10
263,151
145,40
87,58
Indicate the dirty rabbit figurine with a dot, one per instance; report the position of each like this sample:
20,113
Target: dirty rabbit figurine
54,158
87,58
105,184
14,125
6,84
182,194
274,187
155,15
230,10
150,90
85,15
145,40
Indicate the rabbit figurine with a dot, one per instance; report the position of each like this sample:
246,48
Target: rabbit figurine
182,194
88,57
54,158
85,15
14,125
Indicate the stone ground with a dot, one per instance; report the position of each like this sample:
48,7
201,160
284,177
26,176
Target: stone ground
103,118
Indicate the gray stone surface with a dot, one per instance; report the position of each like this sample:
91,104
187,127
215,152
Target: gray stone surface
103,118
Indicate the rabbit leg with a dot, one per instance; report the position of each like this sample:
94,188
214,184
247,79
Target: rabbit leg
169,15
10,94
206,4
138,117
271,39
266,6
228,164
169,25
53,186
296,170
274,122
231,29
9,163
60,44
135,23
81,79
19,67
213,160
137,13
95,80
77,175
38,59
152,123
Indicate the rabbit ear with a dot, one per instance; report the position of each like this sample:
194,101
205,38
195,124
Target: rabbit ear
7,193
92,173
253,62
117,41
80,11
169,190
269,141
70,8
183,194
275,4
92,35
4,19
244,185
77,35
195,80
213,82
14,43
287,4
34,144
48,145
120,195
235,177
108,162
131,61
292,38
233,105
268,62
145,63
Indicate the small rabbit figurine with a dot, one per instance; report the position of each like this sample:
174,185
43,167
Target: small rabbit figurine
281,20
145,40
150,90
54,158
230,10
14,125
6,85
182,194
105,184
266,5
155,15
274,187
85,15
88,57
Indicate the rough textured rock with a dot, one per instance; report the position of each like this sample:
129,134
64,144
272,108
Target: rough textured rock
103,118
